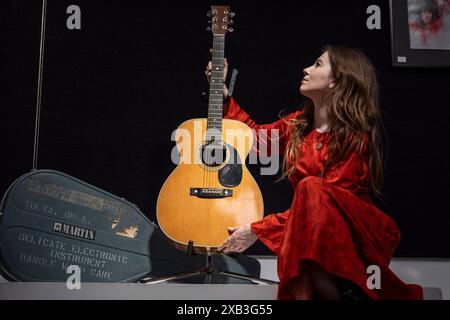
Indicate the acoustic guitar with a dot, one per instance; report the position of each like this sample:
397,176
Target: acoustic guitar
211,189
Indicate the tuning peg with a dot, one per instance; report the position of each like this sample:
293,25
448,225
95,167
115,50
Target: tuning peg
230,29
208,29
209,14
231,14
231,22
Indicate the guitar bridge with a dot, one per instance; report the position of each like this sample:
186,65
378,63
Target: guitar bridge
211,192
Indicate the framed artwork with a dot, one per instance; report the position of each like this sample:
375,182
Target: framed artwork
420,33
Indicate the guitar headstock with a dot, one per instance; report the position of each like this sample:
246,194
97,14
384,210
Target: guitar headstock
220,19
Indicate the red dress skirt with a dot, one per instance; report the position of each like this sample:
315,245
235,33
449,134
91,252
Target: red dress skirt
332,220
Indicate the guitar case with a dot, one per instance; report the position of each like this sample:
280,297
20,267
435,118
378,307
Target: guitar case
50,221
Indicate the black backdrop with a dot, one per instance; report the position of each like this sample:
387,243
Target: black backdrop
114,91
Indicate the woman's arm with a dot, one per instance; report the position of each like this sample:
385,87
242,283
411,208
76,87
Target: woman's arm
267,135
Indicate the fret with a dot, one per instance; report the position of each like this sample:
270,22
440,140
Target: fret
214,131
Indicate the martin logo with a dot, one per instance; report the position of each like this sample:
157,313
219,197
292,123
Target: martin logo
74,231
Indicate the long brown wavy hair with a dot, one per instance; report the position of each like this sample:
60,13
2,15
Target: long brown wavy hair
353,112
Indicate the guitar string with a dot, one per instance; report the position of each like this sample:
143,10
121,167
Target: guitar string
203,158
209,175
219,72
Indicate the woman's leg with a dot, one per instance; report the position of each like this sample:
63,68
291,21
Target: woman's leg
323,284
301,288
314,283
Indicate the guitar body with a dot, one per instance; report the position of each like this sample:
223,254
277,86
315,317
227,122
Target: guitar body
199,201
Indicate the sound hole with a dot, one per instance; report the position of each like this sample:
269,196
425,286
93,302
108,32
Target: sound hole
213,154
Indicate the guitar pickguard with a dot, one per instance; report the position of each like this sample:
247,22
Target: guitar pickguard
231,174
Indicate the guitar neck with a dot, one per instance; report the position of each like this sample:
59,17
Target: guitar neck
215,106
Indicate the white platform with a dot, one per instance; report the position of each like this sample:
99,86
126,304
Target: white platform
132,291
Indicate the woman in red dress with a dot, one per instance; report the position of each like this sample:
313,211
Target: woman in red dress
332,234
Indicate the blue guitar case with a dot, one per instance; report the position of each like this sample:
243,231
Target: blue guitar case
50,221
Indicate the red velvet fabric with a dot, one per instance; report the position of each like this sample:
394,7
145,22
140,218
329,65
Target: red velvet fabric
332,220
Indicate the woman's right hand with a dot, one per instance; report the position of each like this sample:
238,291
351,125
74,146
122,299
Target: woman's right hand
225,71
239,240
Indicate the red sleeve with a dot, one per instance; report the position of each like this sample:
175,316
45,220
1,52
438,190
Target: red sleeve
267,135
270,229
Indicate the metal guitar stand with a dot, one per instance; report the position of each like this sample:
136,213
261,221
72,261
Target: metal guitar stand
208,270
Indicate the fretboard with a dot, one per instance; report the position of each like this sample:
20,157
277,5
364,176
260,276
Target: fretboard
215,106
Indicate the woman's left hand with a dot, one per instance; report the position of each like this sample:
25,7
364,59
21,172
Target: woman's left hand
239,240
